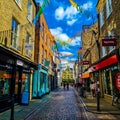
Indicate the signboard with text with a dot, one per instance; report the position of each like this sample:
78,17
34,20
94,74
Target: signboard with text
109,42
85,62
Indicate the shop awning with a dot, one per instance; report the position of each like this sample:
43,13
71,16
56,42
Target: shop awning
107,62
86,75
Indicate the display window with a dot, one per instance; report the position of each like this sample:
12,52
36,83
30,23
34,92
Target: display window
109,79
25,82
5,78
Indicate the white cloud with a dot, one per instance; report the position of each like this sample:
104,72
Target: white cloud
58,32
87,5
64,53
71,22
75,41
59,13
70,14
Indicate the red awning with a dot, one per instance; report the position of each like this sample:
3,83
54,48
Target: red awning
107,62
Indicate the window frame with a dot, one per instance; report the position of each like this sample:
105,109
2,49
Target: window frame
15,33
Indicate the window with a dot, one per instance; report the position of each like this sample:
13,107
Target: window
108,7
29,14
5,79
15,34
101,18
18,2
28,38
111,34
42,31
104,51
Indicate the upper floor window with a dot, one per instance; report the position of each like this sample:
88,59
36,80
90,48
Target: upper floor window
104,51
28,38
108,7
18,2
15,34
101,18
42,31
29,11
111,34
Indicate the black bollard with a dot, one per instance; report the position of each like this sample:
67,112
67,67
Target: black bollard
98,101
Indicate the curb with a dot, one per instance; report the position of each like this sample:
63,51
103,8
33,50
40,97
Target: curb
96,112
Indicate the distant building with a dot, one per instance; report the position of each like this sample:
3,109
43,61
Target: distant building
67,75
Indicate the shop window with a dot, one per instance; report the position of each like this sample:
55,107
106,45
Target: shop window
109,80
15,34
25,82
5,78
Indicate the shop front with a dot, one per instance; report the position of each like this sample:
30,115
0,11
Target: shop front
40,82
6,67
15,74
106,71
86,79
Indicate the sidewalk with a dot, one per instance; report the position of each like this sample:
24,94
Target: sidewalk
105,106
22,111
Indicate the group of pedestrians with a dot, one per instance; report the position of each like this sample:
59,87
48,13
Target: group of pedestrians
65,84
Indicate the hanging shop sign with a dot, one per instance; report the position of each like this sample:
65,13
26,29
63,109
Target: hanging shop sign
85,62
28,46
118,81
109,42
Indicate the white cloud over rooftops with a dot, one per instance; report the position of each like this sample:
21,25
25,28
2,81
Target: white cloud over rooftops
70,13
58,32
88,5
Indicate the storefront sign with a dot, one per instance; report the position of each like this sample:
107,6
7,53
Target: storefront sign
85,62
109,42
118,81
29,46
19,62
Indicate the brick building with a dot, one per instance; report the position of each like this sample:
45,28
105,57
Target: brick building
17,36
108,65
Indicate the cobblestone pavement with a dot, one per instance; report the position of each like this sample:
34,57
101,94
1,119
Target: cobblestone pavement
63,106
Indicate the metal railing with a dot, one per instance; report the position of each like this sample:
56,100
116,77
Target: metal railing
5,37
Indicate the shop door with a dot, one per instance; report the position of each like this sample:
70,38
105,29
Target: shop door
18,85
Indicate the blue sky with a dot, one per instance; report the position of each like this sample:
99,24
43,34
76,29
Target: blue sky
65,22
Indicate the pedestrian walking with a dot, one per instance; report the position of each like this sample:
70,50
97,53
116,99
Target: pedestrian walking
64,84
92,89
67,86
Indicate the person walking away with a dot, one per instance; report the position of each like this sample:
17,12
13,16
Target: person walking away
64,85
67,86
92,89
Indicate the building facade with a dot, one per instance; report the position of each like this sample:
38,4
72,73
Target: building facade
17,35
109,64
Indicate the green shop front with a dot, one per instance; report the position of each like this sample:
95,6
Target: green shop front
40,82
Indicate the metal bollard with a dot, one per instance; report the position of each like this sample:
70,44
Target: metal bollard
98,101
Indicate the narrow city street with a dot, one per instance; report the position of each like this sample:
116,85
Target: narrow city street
63,106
